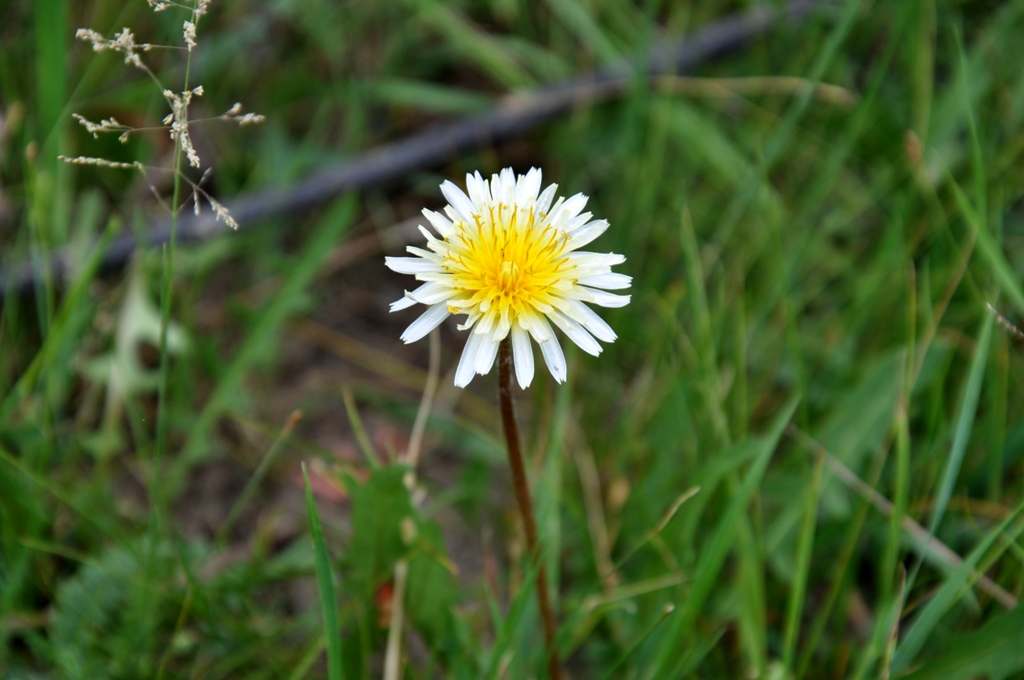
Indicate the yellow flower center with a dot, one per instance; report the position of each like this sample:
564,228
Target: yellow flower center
508,277
506,261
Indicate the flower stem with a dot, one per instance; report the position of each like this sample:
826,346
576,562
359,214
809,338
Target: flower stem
522,491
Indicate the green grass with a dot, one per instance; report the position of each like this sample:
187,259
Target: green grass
810,276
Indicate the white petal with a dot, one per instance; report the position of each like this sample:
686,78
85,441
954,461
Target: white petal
503,327
411,265
574,204
570,209
543,307
437,246
508,187
425,254
527,187
465,372
576,333
471,318
485,355
478,190
427,322
548,195
487,323
599,297
522,353
575,223
538,327
554,358
403,303
459,202
431,293
589,319
583,258
556,209
439,276
541,331
586,234
607,281
441,223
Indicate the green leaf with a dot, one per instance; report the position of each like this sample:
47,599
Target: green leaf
325,584
993,652
379,507
431,591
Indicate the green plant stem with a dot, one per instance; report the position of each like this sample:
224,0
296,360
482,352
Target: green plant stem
165,319
522,491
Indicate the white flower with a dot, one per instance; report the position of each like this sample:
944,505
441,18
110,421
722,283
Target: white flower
508,259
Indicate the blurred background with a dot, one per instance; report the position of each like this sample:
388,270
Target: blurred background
824,224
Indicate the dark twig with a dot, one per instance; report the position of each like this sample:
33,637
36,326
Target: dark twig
522,490
430,147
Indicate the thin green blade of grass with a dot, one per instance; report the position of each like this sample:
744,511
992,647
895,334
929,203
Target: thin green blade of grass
308,658
664,614
688,662
476,45
510,624
824,59
157,509
964,422
72,301
989,248
929,617
856,126
697,131
51,33
257,476
892,637
356,422
720,543
973,82
549,485
784,131
325,585
803,563
578,21
750,586
581,622
977,155
426,96
976,214
49,188
104,524
659,527
899,511
880,640
705,336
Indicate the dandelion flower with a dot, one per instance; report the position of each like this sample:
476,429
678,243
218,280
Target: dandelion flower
508,259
